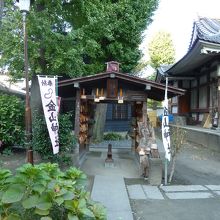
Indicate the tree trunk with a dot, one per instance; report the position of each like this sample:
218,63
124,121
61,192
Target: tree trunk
98,127
36,105
172,169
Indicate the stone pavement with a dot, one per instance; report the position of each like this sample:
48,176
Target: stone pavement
173,192
111,192
126,199
109,186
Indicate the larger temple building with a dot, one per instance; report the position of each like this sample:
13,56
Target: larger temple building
198,72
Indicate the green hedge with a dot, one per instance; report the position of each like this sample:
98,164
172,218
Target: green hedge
112,137
41,140
11,120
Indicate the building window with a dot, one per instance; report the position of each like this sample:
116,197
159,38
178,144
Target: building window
174,100
174,109
120,112
194,116
201,116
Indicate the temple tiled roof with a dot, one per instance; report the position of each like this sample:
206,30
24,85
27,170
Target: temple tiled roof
163,68
207,29
204,47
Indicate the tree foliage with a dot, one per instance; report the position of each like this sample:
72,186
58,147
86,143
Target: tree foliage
45,192
1,11
74,37
161,49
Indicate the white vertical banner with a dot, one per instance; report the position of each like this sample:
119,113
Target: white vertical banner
165,126
48,96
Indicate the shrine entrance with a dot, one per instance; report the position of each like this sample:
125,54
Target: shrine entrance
87,119
110,87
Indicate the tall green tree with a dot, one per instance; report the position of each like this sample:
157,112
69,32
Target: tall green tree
74,37
161,49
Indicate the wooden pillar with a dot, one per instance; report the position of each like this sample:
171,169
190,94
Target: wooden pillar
139,118
218,97
133,126
144,111
77,114
208,92
197,103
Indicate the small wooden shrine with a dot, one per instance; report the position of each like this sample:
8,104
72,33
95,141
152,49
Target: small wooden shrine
111,86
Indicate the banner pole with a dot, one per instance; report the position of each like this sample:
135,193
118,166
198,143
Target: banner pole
165,174
166,158
56,89
166,88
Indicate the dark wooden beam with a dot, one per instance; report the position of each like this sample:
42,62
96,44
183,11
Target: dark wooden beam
77,114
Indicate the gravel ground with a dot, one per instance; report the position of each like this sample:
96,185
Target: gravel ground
195,164
198,165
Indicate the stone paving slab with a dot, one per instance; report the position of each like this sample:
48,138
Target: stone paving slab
189,195
183,188
152,192
111,192
136,192
213,187
217,192
120,215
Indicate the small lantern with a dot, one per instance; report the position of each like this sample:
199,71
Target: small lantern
24,5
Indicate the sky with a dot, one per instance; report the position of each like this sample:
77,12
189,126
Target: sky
176,17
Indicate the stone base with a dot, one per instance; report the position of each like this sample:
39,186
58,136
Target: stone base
155,171
109,163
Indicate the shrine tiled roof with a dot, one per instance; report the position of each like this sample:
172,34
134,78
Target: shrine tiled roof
207,29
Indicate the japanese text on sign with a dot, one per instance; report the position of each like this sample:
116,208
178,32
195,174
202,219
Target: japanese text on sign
166,131
48,97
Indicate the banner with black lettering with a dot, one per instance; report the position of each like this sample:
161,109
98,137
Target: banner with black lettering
165,126
47,86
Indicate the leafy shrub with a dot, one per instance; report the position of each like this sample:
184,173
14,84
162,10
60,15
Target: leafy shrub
112,137
7,152
43,192
42,143
11,120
